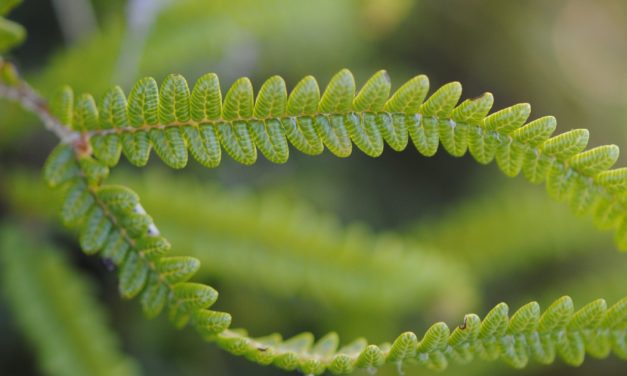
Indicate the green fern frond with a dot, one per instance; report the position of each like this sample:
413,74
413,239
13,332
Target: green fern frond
54,307
116,225
172,121
135,245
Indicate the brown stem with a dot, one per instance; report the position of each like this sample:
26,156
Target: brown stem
30,100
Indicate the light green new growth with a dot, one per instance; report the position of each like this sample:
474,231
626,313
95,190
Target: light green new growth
175,121
113,223
55,308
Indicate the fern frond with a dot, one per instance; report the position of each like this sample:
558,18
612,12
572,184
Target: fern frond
139,251
115,224
54,307
173,121
527,335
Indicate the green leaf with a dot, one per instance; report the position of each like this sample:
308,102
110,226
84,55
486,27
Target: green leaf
424,133
508,119
404,347
495,323
393,129
509,156
206,101
374,94
85,114
93,171
209,323
116,247
589,316
536,132
178,268
454,137
187,297
118,199
442,102
472,111
409,97
339,94
170,146
237,142
154,296
143,103
95,231
557,316
536,165
559,181
567,144
593,161
303,100
136,147
113,109
435,339
203,144
613,180
372,357
238,103
482,144
525,320
76,204
62,105
60,166
151,247
269,137
334,134
302,135
133,275
136,223
107,148
271,99
174,100
364,132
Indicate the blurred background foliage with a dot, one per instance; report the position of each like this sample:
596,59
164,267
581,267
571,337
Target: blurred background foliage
367,247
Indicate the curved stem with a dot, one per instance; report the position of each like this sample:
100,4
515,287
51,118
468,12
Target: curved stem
22,93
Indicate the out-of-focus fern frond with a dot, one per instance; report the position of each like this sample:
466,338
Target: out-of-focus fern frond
284,247
55,308
500,230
